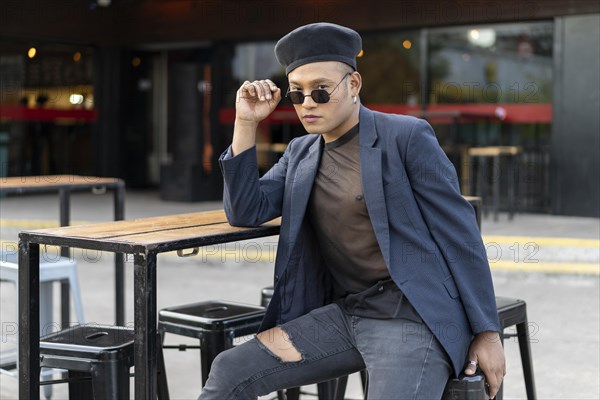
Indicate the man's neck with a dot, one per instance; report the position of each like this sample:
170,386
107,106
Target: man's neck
343,128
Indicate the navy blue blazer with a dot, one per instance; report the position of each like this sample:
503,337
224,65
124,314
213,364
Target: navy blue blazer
427,231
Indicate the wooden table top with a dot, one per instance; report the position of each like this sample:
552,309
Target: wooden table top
54,182
165,233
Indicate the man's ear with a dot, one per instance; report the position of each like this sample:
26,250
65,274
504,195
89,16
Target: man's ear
355,82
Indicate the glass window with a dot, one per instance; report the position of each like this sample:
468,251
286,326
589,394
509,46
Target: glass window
46,107
54,75
390,68
509,63
251,61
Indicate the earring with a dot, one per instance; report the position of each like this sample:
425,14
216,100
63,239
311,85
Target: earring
354,100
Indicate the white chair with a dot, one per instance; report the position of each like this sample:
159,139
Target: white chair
51,270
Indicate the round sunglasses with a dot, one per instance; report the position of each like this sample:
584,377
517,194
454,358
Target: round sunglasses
320,96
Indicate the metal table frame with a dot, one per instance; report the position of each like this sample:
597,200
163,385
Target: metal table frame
145,308
65,185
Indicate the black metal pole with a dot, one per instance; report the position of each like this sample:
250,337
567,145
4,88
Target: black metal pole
526,360
119,206
29,320
144,282
65,217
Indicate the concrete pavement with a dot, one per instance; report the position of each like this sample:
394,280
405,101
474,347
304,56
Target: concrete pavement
550,262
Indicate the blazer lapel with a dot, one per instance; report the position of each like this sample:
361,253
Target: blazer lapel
304,178
372,181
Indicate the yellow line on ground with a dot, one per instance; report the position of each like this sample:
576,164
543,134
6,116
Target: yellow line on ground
542,241
268,255
547,267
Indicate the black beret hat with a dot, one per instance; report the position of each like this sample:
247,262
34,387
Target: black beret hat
318,42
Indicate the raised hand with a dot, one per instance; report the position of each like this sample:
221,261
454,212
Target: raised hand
256,100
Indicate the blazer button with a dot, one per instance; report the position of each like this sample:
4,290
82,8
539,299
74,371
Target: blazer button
359,197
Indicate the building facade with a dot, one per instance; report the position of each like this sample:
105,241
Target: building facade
144,90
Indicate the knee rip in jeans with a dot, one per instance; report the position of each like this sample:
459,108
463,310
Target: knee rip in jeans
279,343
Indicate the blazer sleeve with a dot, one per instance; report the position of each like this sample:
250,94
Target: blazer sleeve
452,224
250,200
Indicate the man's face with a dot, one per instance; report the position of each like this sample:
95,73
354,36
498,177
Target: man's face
336,117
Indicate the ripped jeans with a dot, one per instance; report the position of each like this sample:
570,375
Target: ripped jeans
403,358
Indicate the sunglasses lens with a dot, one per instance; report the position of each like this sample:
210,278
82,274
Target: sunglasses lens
296,97
320,96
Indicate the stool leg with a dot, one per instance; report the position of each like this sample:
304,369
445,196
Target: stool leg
80,389
480,187
496,185
364,377
110,380
76,296
163,387
523,335
326,390
46,309
65,309
48,374
514,181
46,318
47,324
292,394
211,345
340,388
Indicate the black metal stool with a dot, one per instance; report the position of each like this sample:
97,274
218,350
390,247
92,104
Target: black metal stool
514,312
495,153
98,359
215,323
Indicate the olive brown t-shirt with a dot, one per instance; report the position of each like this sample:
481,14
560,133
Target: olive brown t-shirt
339,217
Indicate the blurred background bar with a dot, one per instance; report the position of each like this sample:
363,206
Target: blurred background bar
145,90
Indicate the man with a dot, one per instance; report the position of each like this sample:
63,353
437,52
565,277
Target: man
380,264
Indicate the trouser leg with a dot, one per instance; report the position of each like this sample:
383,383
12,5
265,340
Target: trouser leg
251,369
403,358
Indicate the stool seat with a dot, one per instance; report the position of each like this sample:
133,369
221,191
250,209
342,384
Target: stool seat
97,359
51,270
510,311
102,353
493,151
95,341
213,315
215,323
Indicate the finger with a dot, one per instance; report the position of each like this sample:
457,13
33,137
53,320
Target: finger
272,86
252,90
494,383
247,90
277,94
266,89
493,391
499,378
259,90
242,91
471,366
